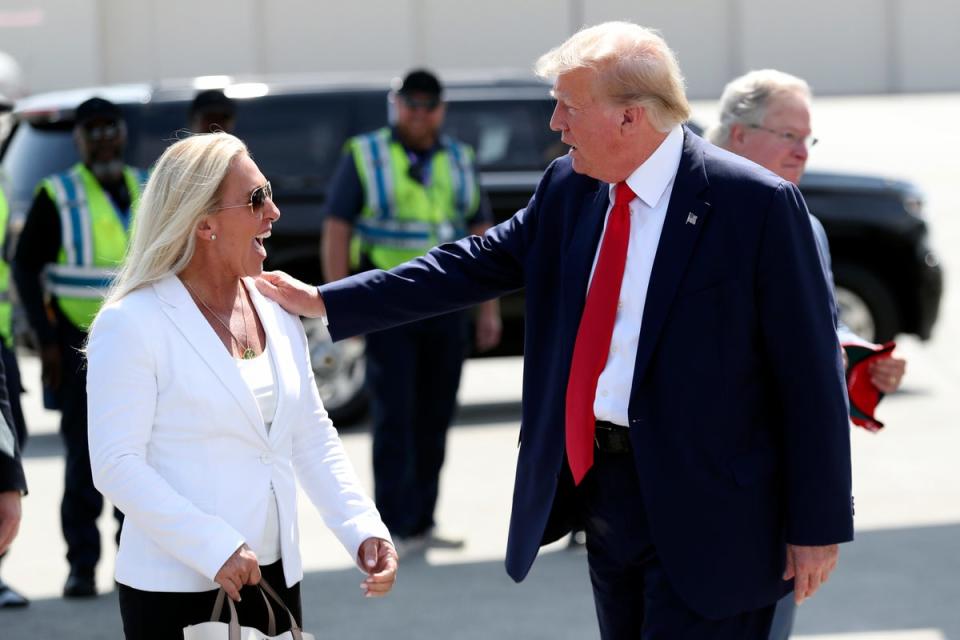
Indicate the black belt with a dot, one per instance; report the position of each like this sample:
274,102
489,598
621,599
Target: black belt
612,438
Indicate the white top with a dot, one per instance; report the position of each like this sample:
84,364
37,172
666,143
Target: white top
652,182
258,374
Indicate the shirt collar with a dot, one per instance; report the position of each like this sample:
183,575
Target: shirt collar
651,179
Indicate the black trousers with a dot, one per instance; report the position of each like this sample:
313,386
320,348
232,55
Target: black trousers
162,615
82,503
633,596
413,373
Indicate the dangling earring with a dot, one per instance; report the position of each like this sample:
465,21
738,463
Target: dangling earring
213,236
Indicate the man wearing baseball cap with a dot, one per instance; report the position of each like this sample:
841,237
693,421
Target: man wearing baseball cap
396,193
74,236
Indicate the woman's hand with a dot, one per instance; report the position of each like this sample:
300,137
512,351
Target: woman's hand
379,559
241,568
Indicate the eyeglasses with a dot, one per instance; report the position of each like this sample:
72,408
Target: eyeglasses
258,198
788,137
427,104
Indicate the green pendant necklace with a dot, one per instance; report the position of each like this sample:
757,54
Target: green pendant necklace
247,352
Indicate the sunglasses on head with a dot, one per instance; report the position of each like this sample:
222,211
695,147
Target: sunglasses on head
258,198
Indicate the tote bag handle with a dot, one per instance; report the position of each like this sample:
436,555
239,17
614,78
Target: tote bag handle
234,624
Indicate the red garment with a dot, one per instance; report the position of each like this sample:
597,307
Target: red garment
864,396
592,347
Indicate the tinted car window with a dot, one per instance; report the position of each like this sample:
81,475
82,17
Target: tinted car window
37,149
507,135
300,159
33,153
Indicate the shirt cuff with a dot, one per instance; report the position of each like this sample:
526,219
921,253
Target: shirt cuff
323,318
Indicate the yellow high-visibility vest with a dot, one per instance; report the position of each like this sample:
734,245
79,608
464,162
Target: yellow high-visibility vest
93,240
402,218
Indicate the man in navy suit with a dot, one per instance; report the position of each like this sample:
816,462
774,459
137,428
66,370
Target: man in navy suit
683,392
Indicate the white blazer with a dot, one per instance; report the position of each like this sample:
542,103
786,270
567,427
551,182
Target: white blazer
178,444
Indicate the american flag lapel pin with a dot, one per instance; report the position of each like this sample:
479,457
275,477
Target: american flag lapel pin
691,218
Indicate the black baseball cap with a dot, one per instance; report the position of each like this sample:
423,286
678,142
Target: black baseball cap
97,109
213,100
420,81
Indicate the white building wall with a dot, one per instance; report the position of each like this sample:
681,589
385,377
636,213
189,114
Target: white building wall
490,34
929,51
699,32
56,42
337,35
840,46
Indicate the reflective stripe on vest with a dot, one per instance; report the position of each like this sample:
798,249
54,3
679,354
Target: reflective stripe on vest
6,309
86,283
94,240
402,218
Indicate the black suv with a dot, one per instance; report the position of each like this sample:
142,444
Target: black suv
888,280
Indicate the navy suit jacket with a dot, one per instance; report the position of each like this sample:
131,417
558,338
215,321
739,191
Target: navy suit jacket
738,415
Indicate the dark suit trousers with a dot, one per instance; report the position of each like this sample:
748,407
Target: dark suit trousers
633,595
162,615
82,503
413,373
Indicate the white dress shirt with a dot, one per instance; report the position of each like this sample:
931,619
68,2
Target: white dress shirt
652,183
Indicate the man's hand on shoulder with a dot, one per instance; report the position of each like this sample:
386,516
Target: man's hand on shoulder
291,294
810,567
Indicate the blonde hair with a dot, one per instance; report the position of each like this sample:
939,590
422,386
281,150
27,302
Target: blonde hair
634,66
183,187
745,100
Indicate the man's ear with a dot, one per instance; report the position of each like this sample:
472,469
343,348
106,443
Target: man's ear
632,116
738,133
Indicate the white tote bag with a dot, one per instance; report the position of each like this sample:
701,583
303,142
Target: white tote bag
216,630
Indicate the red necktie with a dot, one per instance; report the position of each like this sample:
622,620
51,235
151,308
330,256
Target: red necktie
593,337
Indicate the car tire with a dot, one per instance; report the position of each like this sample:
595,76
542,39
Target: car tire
866,304
339,369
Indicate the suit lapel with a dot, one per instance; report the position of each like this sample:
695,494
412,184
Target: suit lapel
281,354
581,249
195,329
686,216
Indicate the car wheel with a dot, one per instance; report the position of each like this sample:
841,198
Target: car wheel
866,304
339,369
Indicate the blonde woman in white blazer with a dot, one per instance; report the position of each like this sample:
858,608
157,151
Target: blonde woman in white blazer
203,411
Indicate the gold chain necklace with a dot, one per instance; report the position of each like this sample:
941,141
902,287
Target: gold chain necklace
248,352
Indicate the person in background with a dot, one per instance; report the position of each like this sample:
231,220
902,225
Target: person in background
765,117
212,110
74,237
13,483
13,429
396,193
674,307
204,412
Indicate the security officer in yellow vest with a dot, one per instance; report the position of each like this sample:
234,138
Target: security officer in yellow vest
396,193
74,236
15,425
